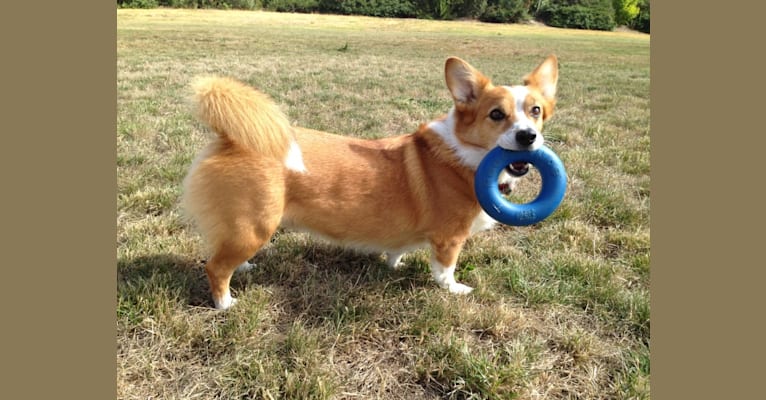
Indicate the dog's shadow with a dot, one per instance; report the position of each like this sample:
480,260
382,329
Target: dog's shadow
310,281
142,279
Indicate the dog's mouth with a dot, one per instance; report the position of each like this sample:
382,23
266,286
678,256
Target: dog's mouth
517,169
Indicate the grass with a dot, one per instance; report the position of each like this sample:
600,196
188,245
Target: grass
561,309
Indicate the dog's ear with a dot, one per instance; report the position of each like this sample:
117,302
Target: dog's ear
545,77
464,82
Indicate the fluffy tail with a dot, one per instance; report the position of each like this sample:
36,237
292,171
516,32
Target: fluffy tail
242,115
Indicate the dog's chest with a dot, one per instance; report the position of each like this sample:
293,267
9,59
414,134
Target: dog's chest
482,222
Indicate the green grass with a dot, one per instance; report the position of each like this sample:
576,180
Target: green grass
561,309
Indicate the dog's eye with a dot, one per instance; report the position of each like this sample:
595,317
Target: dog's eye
535,111
497,115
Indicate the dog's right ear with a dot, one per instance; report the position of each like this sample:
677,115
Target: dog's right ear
463,81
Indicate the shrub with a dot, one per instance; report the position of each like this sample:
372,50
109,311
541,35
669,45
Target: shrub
138,3
245,4
302,6
449,9
470,8
579,14
641,22
505,11
436,9
391,8
226,4
375,8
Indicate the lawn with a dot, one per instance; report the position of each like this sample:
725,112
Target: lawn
560,310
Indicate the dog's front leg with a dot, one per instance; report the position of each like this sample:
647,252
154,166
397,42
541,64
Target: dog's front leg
506,182
444,254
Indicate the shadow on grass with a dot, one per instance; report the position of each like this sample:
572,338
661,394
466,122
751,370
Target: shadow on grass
318,283
313,281
148,276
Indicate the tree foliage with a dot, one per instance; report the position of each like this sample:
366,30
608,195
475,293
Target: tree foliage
641,22
625,11
581,14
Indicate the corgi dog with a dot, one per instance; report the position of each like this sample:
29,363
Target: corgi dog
392,195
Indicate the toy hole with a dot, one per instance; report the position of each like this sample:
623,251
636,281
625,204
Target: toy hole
527,188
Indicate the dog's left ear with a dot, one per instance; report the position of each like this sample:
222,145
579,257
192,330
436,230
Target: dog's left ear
545,77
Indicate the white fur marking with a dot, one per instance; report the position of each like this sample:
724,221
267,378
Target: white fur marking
245,266
225,302
445,277
349,243
294,159
394,259
470,156
482,222
508,139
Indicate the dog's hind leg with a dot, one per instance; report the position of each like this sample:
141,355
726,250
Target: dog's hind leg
232,254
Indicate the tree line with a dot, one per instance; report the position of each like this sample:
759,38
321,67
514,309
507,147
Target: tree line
579,14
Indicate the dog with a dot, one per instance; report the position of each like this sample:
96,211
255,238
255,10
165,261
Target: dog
393,195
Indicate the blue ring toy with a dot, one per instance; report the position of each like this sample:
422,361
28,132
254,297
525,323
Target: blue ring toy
554,183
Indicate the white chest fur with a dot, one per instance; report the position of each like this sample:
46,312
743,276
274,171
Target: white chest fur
482,222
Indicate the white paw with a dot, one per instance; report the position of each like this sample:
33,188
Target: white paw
459,288
396,266
394,260
245,266
225,303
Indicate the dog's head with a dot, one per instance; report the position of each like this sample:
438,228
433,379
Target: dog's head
507,116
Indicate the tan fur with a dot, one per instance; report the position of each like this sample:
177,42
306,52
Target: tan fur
387,194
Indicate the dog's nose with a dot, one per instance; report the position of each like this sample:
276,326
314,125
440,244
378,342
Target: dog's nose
525,137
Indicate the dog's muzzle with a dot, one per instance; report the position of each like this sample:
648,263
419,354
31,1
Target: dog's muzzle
526,137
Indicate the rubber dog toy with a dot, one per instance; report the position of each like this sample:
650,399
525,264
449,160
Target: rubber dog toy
554,182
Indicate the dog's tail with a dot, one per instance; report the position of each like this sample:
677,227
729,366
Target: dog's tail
242,115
